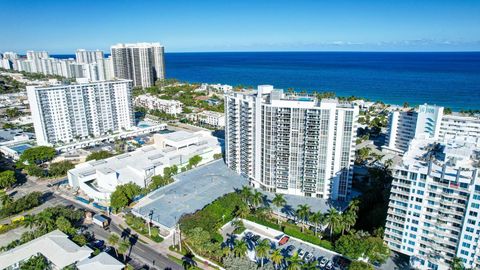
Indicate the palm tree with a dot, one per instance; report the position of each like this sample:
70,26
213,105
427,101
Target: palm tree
348,220
256,199
294,262
246,193
312,265
303,212
242,211
316,219
45,220
279,201
226,251
123,248
333,219
262,250
240,248
457,264
354,206
113,239
29,221
276,258
5,198
388,163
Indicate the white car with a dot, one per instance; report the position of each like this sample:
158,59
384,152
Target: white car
301,253
323,262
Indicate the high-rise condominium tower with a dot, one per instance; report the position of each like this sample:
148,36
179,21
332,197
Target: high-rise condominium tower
66,113
141,62
434,209
293,145
87,57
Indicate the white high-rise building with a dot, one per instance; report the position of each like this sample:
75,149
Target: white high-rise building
434,208
429,122
288,144
83,56
34,55
141,62
66,113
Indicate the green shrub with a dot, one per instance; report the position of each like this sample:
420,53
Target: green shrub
264,222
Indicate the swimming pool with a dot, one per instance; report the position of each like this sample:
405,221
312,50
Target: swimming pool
20,148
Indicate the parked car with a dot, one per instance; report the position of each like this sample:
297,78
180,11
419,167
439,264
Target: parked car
283,240
305,257
98,243
309,257
301,253
291,248
323,262
329,265
248,235
255,238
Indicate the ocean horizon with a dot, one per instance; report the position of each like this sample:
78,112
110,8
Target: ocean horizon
450,79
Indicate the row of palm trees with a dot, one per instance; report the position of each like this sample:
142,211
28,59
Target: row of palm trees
336,221
264,252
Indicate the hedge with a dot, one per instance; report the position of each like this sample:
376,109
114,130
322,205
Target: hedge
264,222
307,237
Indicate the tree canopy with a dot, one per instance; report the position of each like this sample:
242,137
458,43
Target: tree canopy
99,155
37,155
123,195
7,179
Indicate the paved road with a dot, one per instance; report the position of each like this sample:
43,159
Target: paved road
139,250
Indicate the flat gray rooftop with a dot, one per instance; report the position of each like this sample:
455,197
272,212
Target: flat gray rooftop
196,188
190,192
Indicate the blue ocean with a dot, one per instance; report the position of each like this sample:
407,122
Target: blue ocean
450,79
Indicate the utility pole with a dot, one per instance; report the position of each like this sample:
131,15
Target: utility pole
179,237
149,222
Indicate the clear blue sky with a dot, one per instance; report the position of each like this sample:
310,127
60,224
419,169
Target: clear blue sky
61,26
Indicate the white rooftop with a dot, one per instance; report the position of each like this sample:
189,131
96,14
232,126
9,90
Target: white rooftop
101,261
55,246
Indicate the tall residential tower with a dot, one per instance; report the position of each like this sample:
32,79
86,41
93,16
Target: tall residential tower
143,63
291,145
66,113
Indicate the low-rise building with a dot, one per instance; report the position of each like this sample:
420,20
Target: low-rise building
99,178
59,251
214,119
150,102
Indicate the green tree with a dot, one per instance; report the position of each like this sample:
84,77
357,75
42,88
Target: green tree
246,193
29,221
79,239
242,211
333,218
194,161
64,225
37,155
112,240
316,219
5,198
279,201
99,155
256,198
60,168
123,247
13,112
35,263
303,212
276,257
262,250
457,264
294,262
124,195
7,179
350,246
359,265
240,248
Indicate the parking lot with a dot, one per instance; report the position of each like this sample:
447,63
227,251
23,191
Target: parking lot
254,234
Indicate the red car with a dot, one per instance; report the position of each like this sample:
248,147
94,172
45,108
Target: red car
283,240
